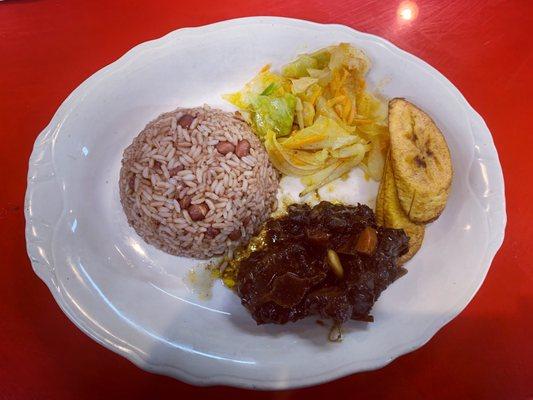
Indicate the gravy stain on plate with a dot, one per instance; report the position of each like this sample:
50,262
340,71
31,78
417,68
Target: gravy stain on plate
200,280
352,189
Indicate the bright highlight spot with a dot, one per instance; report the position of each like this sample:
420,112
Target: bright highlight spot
407,10
74,225
406,13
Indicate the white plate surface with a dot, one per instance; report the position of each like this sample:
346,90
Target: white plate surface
131,297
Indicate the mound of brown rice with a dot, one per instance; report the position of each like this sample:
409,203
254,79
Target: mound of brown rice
197,182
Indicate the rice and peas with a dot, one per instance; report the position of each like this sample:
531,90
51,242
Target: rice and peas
197,182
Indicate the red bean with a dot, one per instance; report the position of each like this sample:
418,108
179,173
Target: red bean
175,170
197,212
243,148
212,232
235,235
185,202
225,147
186,121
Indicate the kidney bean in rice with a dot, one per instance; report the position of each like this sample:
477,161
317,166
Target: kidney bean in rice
197,182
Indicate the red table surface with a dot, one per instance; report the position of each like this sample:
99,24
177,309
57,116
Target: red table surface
47,48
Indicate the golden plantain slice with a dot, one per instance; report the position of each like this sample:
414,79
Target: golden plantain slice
420,161
391,213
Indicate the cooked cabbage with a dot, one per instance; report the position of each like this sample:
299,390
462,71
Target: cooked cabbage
316,118
273,113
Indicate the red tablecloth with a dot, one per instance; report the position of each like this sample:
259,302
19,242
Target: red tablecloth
47,48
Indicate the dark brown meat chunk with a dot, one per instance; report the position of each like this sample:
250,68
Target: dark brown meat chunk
289,278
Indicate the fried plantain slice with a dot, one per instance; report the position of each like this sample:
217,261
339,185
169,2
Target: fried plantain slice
390,213
421,161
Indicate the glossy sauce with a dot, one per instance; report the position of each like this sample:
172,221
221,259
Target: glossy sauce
289,277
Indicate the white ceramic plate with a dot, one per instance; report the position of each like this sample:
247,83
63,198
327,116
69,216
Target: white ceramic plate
131,297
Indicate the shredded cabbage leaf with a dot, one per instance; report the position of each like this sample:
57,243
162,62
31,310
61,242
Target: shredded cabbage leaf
273,113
